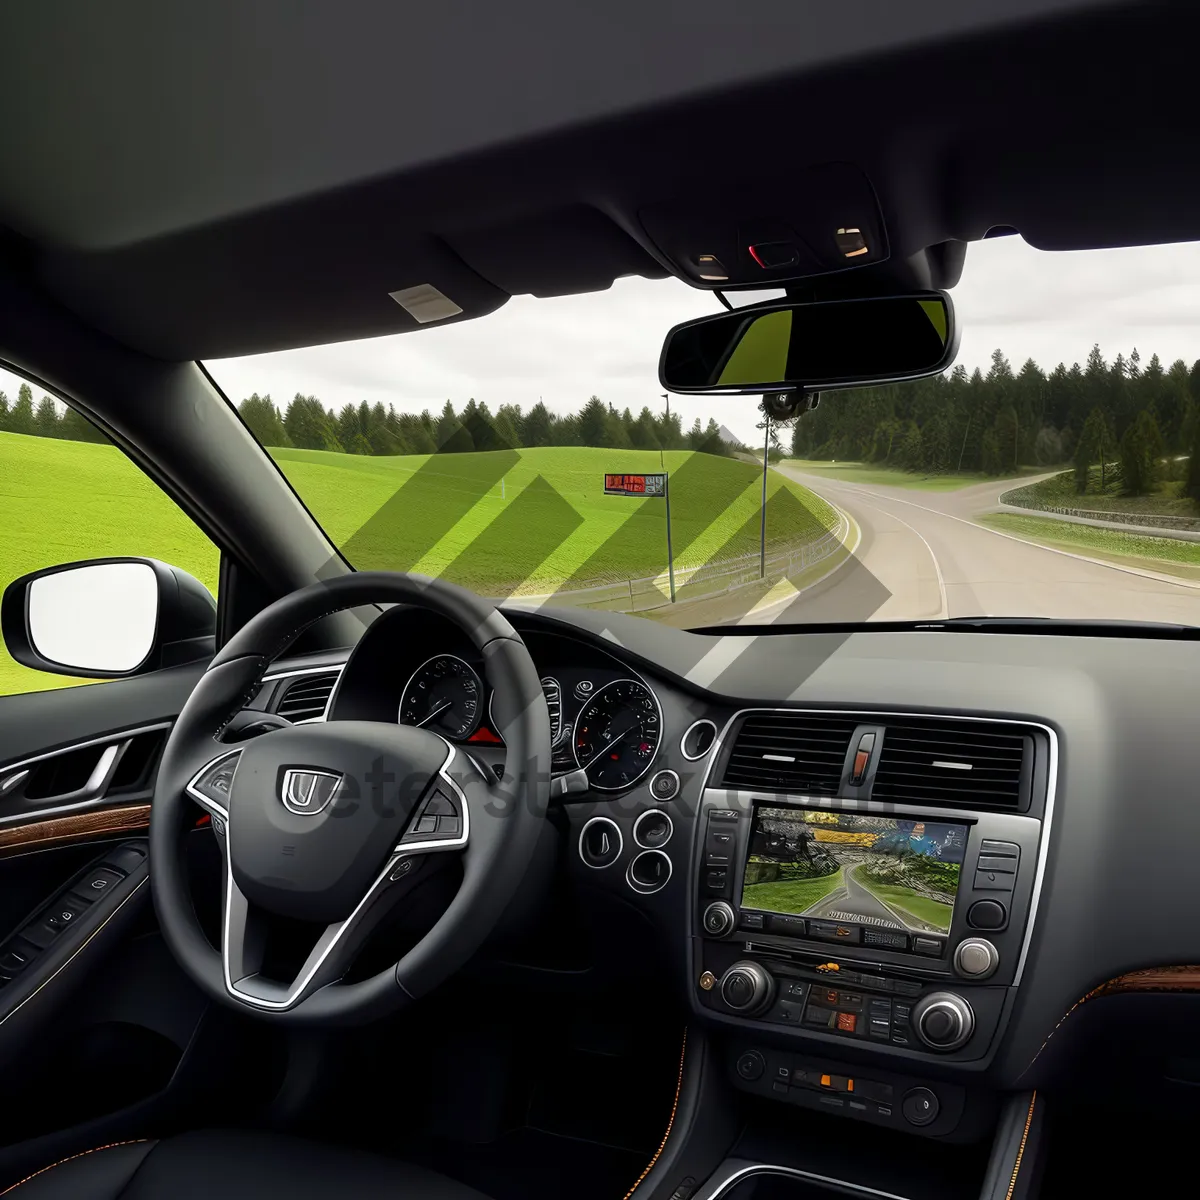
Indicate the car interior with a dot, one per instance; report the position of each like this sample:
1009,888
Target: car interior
337,881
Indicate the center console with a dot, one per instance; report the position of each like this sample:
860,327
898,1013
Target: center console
847,931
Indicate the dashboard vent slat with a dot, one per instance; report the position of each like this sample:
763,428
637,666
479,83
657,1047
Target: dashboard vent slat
815,745
966,763
305,697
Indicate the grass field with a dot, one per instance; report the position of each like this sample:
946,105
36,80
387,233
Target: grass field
790,895
1059,492
69,500
537,520
933,912
1171,556
866,473
531,520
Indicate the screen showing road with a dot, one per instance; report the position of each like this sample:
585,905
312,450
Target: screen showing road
854,868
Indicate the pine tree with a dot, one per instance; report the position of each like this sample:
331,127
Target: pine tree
20,416
537,427
309,425
593,422
3,412
264,421
46,421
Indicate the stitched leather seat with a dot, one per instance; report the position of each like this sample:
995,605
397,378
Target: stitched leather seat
234,1166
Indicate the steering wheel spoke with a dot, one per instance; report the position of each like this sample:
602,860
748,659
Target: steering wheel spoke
211,786
442,820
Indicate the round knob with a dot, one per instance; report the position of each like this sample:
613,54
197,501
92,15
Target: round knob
718,919
943,1021
976,958
746,987
664,785
751,1065
600,843
920,1106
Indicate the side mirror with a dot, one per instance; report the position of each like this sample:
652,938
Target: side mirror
817,346
106,618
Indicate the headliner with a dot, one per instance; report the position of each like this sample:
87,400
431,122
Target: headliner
253,174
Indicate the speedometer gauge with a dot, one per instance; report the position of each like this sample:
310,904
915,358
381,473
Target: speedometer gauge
617,734
443,694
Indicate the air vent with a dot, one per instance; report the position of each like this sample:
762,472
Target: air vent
790,752
976,764
305,698
553,694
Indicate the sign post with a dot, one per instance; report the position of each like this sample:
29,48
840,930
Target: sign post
643,487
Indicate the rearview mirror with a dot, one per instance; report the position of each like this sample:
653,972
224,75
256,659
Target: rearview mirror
106,618
819,346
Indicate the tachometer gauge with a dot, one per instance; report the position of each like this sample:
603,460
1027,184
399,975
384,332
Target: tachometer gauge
616,735
443,694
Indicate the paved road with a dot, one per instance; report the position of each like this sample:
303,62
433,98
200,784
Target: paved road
853,902
922,556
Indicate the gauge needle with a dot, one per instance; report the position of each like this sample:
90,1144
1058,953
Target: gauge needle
429,717
606,748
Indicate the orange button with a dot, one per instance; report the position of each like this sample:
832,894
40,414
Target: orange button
847,1022
849,1085
825,1081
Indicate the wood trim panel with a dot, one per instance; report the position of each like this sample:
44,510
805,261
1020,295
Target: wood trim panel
1184,978
77,827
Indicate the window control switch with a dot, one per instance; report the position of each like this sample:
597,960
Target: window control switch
96,883
64,913
39,934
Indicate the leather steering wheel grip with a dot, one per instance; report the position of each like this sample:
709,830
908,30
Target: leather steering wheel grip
506,815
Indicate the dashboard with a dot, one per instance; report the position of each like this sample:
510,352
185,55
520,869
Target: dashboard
895,858
605,719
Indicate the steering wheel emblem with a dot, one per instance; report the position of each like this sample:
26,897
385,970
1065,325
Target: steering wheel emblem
306,792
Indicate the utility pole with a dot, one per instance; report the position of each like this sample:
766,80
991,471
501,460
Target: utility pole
762,533
667,397
964,445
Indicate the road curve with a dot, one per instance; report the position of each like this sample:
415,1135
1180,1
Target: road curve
922,557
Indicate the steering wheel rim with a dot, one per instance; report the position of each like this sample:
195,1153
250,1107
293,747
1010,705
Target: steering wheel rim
363,829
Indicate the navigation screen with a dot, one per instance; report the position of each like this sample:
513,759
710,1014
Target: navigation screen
849,867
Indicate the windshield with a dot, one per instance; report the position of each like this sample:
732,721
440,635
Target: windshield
1054,471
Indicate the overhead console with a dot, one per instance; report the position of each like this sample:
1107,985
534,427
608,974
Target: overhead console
827,220
868,881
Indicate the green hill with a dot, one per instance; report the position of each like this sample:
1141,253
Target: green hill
531,519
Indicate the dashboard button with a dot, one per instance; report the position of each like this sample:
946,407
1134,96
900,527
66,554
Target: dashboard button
920,1106
993,881
793,926
751,1066
751,920
835,931
987,914
929,946
993,862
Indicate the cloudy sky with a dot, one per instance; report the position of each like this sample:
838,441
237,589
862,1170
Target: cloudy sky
1031,303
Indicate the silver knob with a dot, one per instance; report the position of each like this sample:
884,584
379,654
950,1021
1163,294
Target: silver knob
976,958
746,988
943,1020
718,919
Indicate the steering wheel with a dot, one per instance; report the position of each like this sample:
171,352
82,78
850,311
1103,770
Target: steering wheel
324,823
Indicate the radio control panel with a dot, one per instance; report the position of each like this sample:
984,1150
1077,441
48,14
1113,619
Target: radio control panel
899,930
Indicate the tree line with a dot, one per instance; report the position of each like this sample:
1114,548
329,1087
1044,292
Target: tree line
1139,422
376,429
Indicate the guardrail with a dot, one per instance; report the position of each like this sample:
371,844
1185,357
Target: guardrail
1150,520
695,583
